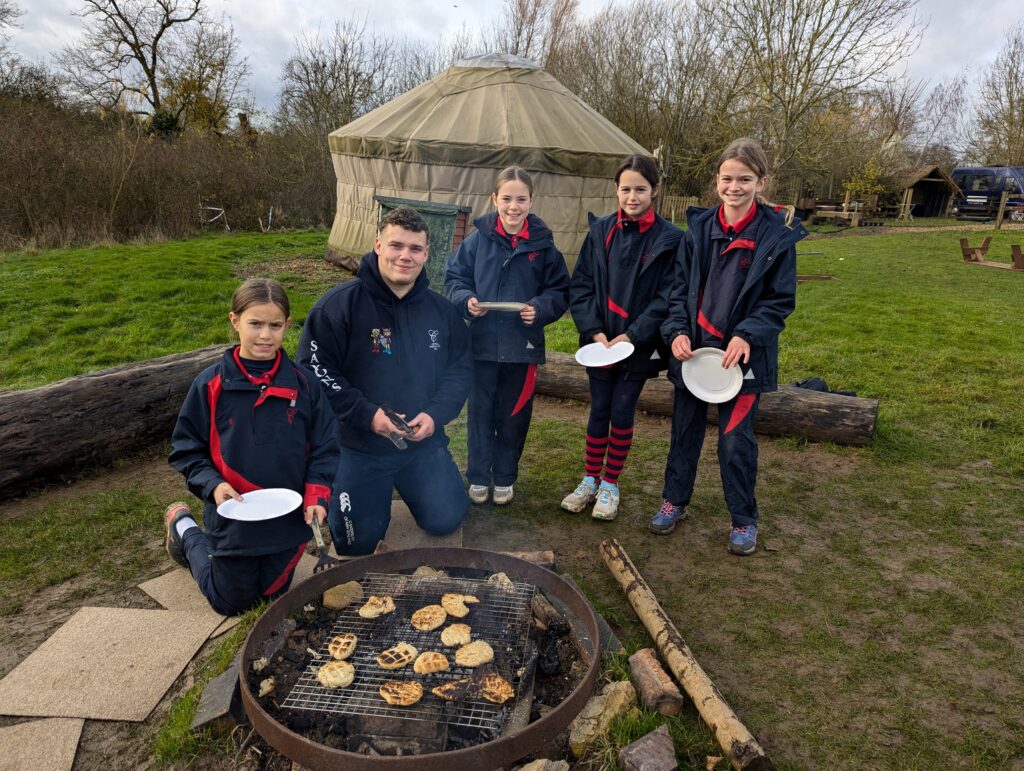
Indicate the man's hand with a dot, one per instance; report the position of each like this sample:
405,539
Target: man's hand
423,427
528,315
315,511
224,492
681,348
473,306
381,425
737,349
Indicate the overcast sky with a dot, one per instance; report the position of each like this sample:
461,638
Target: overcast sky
959,33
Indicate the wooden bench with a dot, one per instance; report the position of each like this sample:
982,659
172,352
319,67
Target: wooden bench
975,255
851,218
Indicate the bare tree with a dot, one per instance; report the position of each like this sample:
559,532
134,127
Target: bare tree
941,133
534,29
999,137
118,62
802,56
9,14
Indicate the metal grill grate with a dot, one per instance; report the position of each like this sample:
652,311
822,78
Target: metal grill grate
502,618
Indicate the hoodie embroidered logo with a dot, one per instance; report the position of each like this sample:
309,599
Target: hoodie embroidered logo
344,504
434,333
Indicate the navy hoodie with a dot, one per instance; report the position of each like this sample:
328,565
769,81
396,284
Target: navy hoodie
763,302
253,436
368,347
488,267
646,307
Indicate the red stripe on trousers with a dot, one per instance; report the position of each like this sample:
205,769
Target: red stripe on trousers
528,385
743,404
283,578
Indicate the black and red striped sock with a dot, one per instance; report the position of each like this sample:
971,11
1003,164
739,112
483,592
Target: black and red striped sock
593,460
618,450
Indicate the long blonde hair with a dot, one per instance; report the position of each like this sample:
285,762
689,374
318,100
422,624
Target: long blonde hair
750,153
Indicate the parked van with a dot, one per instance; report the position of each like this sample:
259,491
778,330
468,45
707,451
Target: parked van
981,188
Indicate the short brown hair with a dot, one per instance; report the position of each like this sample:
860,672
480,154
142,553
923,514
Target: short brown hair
510,173
260,290
406,218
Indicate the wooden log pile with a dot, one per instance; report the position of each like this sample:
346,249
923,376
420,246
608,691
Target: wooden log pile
790,411
58,429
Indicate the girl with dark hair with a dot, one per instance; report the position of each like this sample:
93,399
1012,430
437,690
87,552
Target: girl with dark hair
511,257
619,293
735,287
253,420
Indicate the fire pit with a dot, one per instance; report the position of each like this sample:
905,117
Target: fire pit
504,621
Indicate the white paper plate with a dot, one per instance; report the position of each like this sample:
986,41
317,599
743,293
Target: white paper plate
261,504
704,377
596,355
501,306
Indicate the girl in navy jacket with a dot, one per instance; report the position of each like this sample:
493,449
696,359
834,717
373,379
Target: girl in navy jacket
619,293
253,420
511,257
735,287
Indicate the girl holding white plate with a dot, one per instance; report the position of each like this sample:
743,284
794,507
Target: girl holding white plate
735,287
619,298
254,429
509,279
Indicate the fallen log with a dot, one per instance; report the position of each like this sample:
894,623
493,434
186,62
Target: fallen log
58,429
654,687
733,737
790,411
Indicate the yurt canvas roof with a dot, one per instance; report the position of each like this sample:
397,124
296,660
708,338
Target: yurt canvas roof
494,110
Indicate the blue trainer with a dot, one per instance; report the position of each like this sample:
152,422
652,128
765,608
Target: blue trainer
743,540
664,522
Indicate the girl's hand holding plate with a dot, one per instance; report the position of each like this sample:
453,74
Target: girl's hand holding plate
737,349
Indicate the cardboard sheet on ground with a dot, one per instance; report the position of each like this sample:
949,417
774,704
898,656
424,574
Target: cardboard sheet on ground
404,533
106,664
40,744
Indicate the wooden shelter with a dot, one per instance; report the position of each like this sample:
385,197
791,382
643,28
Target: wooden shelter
928,191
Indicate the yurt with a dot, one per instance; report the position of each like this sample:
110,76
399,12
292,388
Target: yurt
443,142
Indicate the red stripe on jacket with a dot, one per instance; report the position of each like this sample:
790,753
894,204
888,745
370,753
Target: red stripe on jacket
232,477
707,326
617,309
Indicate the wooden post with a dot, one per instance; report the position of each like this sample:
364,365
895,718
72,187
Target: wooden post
1002,209
846,201
907,195
1018,257
732,736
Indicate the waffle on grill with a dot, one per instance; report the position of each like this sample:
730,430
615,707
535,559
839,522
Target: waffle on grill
456,634
474,654
429,618
430,661
377,606
341,646
455,604
401,693
336,674
401,655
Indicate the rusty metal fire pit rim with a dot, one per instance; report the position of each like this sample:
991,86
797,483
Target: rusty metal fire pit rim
499,752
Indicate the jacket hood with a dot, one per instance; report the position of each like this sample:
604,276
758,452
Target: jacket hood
541,236
369,274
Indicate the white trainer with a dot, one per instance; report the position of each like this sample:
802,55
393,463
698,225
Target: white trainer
479,493
607,505
502,495
581,497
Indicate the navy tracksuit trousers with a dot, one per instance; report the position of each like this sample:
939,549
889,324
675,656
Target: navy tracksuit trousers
236,584
498,419
737,452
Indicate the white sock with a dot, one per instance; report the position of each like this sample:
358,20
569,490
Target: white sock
185,523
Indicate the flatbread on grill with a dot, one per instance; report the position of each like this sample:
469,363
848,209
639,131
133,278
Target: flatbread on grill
455,604
430,661
456,634
492,686
377,606
341,646
474,654
401,655
455,690
401,693
428,618
336,674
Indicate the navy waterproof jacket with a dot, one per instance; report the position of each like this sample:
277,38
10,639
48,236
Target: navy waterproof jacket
647,307
368,347
487,267
254,436
766,299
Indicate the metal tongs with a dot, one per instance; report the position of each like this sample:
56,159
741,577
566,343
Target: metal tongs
397,439
326,560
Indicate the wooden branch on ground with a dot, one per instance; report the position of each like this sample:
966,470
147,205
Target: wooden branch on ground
790,411
61,428
733,737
